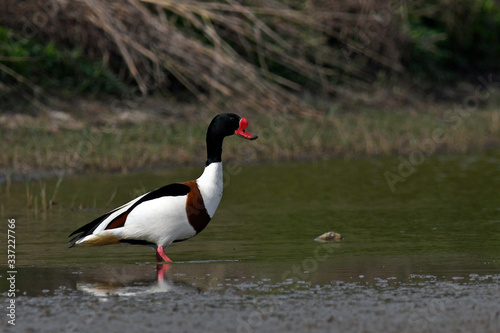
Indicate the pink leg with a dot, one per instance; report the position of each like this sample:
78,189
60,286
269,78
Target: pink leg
162,270
160,254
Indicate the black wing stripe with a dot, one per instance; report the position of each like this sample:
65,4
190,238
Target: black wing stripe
172,190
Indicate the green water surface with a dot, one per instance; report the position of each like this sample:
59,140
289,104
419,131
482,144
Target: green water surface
442,222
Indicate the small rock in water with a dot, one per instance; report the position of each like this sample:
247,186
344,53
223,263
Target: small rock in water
330,236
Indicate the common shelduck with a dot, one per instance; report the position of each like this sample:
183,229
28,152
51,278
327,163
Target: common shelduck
171,213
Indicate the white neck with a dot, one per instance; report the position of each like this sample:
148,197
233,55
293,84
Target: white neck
210,185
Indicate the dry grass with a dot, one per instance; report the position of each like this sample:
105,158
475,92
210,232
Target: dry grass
230,54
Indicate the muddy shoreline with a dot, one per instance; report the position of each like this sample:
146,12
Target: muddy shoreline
337,307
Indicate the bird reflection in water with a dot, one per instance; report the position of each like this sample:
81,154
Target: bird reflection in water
129,281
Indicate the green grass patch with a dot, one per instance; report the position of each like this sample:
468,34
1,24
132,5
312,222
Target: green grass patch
159,144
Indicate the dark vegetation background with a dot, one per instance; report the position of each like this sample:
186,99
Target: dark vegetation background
190,59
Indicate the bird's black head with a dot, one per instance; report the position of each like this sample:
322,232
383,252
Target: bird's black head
223,125
226,124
